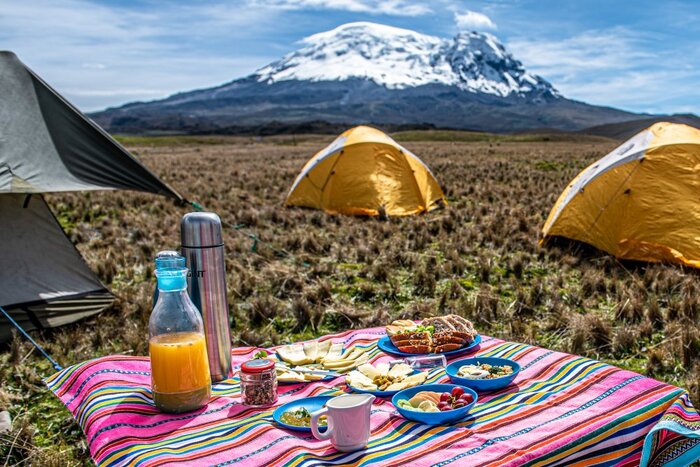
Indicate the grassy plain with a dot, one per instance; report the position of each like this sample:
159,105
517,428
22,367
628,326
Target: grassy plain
479,258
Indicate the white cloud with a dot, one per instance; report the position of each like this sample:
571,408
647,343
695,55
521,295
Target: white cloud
591,50
94,66
99,55
615,67
650,90
473,21
374,7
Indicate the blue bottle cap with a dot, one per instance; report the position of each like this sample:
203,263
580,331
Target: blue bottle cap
169,259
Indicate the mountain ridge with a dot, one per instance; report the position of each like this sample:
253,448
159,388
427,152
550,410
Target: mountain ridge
365,72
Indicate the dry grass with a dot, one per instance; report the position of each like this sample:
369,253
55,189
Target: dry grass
478,258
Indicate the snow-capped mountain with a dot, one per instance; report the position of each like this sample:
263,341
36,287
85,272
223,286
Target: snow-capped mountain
371,73
400,58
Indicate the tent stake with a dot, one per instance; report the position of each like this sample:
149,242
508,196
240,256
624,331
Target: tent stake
56,366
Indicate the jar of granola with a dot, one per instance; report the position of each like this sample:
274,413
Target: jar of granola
258,382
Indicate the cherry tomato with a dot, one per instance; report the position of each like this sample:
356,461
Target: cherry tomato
456,392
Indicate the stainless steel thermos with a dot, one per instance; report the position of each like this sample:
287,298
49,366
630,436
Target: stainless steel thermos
203,249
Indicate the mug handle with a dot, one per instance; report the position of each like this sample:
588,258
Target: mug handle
314,425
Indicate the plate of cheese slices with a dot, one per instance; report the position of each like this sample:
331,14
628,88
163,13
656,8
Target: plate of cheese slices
317,361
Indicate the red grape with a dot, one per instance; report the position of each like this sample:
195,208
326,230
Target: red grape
444,397
457,405
456,392
442,406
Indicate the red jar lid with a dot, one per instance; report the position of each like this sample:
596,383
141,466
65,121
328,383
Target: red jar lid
257,366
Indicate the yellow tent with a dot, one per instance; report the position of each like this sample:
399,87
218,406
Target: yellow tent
365,172
641,201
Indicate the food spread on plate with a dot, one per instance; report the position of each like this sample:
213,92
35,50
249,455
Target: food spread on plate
484,371
314,360
301,417
432,335
385,377
430,401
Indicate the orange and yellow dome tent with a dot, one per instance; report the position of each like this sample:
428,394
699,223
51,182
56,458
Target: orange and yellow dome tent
639,202
365,172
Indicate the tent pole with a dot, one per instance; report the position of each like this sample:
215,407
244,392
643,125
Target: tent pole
56,366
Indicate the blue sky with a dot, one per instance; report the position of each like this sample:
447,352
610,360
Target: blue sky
637,55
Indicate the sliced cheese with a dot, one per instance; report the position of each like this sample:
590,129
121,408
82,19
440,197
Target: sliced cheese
359,380
293,354
399,370
291,376
352,364
418,378
311,350
352,355
335,351
346,357
383,369
323,348
397,386
338,364
409,382
313,376
369,371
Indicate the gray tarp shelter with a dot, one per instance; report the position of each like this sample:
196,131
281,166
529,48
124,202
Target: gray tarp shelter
47,145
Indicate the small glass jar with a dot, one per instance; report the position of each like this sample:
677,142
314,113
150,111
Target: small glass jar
424,362
258,382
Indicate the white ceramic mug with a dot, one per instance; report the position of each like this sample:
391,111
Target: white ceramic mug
348,421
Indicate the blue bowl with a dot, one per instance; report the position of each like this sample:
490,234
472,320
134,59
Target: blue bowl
433,418
482,384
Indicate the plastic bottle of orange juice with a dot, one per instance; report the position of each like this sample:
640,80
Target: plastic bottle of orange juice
180,376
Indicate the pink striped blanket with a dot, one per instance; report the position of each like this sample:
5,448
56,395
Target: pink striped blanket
561,410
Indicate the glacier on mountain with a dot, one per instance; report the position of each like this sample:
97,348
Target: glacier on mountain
400,58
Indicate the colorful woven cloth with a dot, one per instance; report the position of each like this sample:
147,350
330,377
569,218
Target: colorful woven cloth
562,410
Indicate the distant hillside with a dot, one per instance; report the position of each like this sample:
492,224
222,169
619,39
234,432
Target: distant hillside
371,73
625,130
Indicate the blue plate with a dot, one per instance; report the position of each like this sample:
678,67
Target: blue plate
379,393
387,346
433,418
482,384
312,404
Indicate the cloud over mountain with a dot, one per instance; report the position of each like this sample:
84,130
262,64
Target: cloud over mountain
473,21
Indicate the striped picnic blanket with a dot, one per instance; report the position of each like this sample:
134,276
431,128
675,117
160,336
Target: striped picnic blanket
562,410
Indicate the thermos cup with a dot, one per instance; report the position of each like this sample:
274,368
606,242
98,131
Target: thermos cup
203,249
